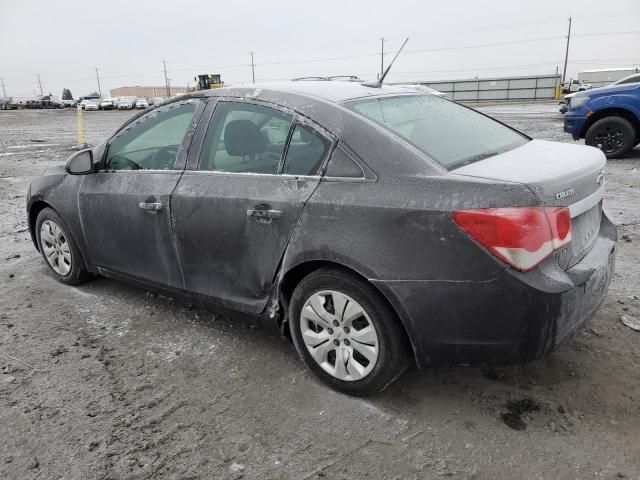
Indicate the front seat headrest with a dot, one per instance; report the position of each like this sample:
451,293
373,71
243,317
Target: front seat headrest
243,137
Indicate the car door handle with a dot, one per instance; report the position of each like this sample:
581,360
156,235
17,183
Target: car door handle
151,206
263,215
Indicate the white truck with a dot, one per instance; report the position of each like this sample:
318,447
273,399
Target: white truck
574,85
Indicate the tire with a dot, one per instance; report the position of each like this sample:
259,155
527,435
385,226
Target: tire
367,323
615,136
59,249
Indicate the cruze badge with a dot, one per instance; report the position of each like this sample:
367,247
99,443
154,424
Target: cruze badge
565,193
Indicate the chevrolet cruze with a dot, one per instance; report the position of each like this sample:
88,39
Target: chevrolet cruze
376,226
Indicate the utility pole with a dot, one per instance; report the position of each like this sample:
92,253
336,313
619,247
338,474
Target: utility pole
4,93
98,78
381,57
166,80
40,83
253,69
566,55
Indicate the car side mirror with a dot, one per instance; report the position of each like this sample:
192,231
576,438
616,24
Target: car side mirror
80,163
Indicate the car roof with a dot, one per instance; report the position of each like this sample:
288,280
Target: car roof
634,75
328,90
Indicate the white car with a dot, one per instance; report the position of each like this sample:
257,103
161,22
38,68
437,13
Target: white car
107,104
126,103
91,105
84,102
142,103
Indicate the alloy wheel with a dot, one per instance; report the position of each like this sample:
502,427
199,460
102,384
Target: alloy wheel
55,247
609,139
339,335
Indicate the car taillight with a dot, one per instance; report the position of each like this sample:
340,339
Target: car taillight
523,237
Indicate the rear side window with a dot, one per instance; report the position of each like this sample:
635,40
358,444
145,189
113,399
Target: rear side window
245,138
342,165
307,149
450,134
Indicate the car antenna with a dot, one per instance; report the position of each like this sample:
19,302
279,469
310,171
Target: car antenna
378,83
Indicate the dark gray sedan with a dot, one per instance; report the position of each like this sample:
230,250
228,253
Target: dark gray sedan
377,226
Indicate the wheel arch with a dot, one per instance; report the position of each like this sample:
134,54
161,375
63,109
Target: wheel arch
612,112
34,210
292,277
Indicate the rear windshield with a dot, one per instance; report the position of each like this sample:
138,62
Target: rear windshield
448,133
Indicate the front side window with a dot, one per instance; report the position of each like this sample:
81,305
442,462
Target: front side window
245,138
153,142
450,134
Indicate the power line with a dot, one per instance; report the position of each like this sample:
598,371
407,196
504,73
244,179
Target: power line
432,33
603,34
354,56
486,45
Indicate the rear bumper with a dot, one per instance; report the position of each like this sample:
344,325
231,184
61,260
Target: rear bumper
512,319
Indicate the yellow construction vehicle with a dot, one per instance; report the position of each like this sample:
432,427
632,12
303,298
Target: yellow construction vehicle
208,81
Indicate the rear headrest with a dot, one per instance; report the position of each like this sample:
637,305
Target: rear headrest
306,136
243,137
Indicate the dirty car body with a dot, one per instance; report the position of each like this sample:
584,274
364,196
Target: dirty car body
376,204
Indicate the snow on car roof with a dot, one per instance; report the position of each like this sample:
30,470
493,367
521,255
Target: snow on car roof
332,91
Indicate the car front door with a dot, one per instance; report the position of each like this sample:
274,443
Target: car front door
240,199
124,207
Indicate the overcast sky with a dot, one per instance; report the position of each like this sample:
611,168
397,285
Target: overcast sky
65,40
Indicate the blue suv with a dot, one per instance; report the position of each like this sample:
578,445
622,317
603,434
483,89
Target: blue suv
607,118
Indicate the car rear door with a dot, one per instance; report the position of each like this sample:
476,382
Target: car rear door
124,207
250,172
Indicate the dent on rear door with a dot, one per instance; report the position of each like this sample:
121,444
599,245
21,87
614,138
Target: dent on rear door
226,254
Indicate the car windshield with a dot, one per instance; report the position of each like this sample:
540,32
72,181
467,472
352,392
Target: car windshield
450,134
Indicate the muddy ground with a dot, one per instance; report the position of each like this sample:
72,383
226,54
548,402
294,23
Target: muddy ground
107,381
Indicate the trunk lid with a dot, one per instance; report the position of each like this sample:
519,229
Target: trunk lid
560,175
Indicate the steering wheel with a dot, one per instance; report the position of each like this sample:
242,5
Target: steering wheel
163,158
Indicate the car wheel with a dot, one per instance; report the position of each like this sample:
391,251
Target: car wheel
346,333
59,249
613,135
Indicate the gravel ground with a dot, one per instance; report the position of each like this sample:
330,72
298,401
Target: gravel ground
107,381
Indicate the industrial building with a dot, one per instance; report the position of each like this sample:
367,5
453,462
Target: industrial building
147,92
